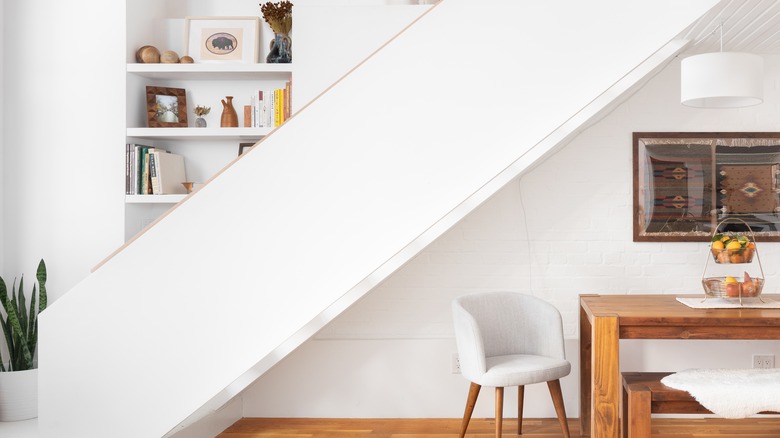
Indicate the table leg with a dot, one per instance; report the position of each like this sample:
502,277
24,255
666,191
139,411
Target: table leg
605,377
585,364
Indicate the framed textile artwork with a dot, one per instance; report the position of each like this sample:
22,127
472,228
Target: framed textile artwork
685,183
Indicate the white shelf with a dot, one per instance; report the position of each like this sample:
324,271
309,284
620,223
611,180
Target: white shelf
199,133
153,199
210,71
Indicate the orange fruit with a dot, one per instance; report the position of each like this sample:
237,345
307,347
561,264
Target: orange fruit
717,244
734,244
732,287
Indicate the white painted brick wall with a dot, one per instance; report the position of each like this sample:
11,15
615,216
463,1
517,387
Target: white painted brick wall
563,229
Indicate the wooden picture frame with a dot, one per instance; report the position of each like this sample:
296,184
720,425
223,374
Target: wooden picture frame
686,183
222,39
166,107
243,146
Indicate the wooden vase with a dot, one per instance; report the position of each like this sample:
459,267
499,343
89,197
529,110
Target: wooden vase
229,116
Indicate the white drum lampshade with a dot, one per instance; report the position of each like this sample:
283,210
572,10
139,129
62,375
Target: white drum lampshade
722,80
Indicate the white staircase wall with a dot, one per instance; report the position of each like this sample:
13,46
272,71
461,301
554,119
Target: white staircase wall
352,187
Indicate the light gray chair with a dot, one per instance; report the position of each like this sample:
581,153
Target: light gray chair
509,339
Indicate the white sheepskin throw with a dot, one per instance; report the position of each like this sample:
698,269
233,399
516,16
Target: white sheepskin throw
730,393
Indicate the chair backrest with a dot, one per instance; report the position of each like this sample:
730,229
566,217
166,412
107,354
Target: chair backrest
502,323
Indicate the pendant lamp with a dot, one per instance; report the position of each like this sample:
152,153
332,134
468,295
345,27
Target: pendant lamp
722,79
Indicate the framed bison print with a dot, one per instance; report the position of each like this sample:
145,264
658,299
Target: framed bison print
222,39
686,183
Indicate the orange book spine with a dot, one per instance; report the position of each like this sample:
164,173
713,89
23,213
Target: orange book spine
247,116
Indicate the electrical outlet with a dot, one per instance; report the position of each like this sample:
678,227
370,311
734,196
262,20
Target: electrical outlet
455,364
763,361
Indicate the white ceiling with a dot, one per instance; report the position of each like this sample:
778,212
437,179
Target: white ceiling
748,26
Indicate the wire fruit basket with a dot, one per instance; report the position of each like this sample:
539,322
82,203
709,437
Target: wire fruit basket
733,249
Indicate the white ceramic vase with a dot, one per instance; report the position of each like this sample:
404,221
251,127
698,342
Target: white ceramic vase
18,395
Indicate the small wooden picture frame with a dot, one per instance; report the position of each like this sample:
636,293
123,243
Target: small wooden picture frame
166,107
243,146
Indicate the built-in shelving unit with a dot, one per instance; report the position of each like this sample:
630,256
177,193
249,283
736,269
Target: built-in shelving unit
206,150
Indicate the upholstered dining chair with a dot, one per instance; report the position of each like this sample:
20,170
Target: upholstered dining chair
509,339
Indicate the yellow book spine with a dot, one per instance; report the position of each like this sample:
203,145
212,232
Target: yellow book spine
278,108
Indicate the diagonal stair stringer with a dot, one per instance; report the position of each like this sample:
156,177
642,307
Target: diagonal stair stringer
324,209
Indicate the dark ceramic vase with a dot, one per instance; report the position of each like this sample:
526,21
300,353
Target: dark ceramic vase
281,49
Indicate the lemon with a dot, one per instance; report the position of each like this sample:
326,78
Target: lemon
717,244
734,244
730,280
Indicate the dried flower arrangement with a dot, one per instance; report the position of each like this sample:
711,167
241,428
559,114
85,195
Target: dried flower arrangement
201,111
278,15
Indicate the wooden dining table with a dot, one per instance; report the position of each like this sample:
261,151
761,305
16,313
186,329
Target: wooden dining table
605,319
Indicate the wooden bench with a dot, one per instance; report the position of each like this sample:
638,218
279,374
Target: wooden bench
644,394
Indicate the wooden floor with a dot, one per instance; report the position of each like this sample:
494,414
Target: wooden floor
483,428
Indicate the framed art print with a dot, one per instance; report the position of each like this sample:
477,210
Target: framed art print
222,39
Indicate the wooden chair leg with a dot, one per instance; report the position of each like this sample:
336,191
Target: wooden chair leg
560,409
499,410
470,402
520,397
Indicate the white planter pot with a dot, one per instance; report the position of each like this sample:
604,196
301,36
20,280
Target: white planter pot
18,395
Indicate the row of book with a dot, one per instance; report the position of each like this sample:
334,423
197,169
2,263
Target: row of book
268,108
153,171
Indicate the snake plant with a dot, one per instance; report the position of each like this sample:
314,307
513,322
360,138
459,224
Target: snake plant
20,327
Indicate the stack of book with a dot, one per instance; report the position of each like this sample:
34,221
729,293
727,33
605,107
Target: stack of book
269,108
153,171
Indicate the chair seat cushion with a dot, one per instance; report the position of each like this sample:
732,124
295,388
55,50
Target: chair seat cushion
522,369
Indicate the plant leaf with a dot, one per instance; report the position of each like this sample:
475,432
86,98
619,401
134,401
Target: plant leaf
21,308
41,276
9,340
32,321
31,333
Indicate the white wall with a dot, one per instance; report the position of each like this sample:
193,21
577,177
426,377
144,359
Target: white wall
63,112
561,230
2,129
